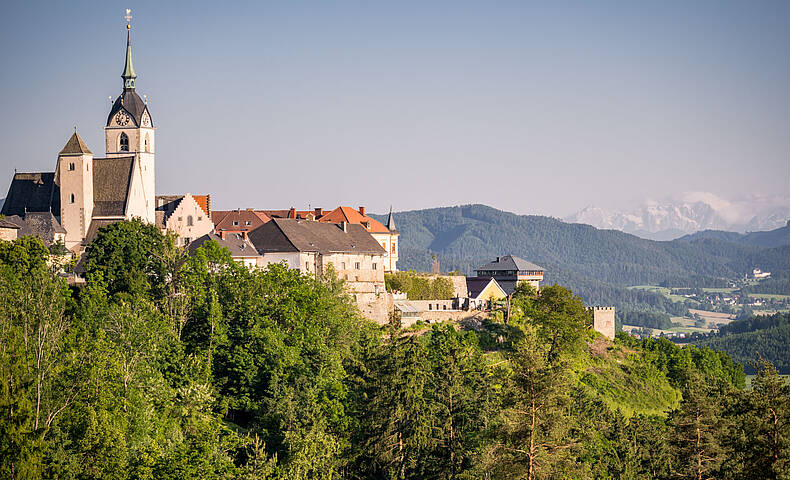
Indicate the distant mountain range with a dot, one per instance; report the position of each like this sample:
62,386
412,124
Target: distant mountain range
596,264
693,212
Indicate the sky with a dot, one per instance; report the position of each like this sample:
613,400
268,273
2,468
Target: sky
534,108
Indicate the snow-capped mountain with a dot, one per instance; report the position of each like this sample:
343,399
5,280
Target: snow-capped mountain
691,213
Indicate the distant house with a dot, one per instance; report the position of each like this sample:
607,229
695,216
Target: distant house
185,215
483,290
757,273
509,270
241,249
238,221
312,247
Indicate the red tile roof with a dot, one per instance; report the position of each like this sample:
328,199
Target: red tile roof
205,203
350,215
224,220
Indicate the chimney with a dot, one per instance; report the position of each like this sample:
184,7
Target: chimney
362,210
319,212
292,213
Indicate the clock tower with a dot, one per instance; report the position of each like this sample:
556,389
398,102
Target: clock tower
129,132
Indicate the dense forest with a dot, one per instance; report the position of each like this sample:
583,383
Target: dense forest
749,340
596,264
164,366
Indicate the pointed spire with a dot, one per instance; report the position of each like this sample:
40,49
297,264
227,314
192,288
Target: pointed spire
75,146
128,71
391,221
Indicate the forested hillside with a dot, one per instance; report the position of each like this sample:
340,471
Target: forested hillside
597,264
165,366
746,341
773,238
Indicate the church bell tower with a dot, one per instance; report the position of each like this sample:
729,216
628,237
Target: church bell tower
129,132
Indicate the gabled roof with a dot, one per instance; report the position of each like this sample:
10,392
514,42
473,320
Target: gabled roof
112,178
32,192
510,262
75,146
476,285
43,225
238,246
293,235
350,215
224,219
167,204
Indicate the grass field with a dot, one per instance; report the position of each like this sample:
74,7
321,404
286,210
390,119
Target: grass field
772,296
660,290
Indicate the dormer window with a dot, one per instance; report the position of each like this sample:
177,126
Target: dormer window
124,142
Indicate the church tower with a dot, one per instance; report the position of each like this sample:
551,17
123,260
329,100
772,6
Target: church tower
130,133
74,176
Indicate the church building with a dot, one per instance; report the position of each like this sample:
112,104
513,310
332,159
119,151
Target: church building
85,193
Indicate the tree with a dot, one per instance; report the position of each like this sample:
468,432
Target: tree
534,424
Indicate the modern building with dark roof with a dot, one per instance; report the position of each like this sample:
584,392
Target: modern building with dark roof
85,192
509,270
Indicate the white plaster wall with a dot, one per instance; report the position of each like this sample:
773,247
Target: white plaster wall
75,217
178,222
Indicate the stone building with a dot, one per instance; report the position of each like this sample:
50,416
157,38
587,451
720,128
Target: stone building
312,247
603,321
8,230
185,215
240,248
84,193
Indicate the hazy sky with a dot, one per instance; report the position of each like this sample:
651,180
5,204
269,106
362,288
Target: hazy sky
532,108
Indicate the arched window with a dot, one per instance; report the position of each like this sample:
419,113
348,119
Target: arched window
147,144
189,221
124,142
72,198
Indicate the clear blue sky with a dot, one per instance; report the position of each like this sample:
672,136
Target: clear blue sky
532,108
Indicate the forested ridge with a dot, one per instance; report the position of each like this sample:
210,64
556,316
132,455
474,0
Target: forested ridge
596,264
165,366
749,340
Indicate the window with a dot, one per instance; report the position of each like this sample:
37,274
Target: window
72,198
248,222
374,266
186,241
342,265
147,145
71,166
190,222
430,307
200,219
393,248
235,223
180,219
124,142
356,265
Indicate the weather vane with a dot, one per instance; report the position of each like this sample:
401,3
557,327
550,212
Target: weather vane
128,18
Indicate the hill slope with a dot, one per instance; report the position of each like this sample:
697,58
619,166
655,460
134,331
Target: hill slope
772,238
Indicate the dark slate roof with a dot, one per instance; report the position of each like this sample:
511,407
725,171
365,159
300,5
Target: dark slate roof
510,262
32,192
9,224
132,103
43,225
238,246
391,222
165,206
293,235
476,285
75,146
112,179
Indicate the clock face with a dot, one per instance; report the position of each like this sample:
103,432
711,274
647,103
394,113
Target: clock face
122,118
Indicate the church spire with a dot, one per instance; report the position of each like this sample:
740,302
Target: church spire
128,71
391,221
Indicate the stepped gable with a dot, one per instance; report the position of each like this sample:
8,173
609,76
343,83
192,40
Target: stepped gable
32,192
112,178
294,235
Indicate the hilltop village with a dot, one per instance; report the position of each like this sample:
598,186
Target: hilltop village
67,208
